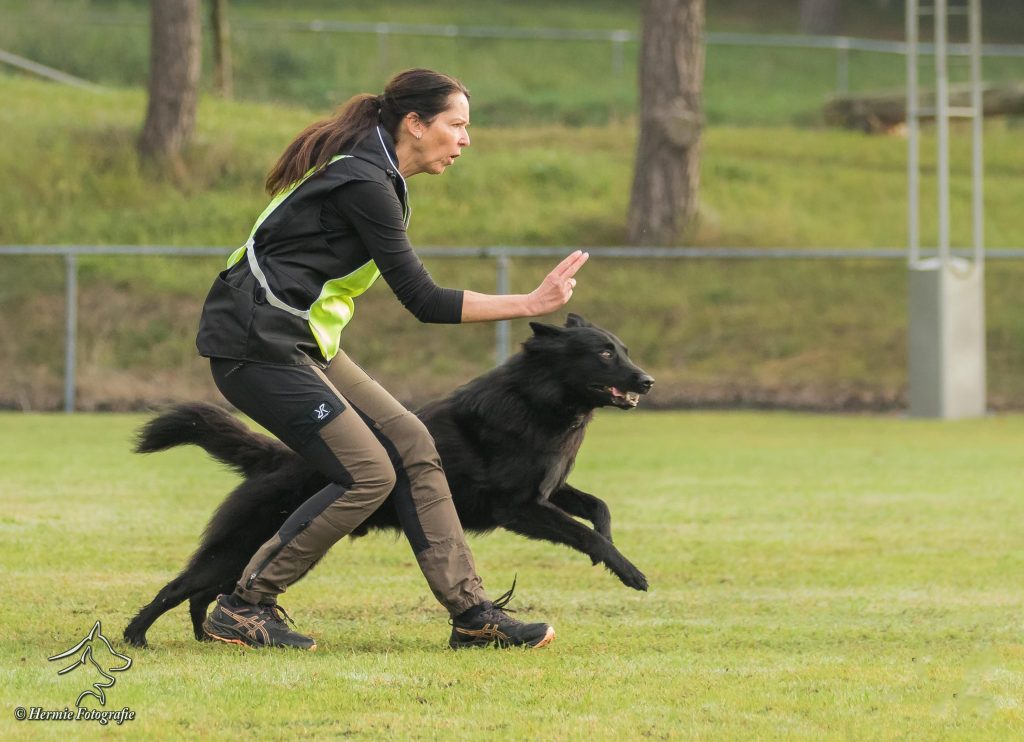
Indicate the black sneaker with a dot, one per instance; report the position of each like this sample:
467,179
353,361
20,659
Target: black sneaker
236,622
487,625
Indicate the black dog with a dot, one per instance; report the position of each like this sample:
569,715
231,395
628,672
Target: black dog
507,440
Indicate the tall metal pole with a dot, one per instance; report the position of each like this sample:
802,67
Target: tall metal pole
913,146
942,122
977,165
946,324
70,329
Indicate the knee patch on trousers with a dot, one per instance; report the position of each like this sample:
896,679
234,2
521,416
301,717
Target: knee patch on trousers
412,441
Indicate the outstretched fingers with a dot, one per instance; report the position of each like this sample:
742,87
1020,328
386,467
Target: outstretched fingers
568,267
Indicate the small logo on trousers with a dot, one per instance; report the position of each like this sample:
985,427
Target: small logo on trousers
322,412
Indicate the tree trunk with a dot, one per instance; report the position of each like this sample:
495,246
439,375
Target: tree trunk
222,71
663,202
174,61
820,16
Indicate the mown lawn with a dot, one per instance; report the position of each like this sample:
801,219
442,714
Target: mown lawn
812,577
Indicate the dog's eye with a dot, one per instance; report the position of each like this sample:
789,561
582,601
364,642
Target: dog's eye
606,354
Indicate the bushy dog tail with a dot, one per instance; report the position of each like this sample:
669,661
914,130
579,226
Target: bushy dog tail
217,432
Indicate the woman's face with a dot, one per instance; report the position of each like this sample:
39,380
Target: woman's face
442,140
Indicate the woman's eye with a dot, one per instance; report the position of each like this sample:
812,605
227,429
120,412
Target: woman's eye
606,354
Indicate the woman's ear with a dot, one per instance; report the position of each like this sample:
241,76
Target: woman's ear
413,124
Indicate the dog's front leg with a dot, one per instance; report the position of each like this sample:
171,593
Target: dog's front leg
543,520
583,505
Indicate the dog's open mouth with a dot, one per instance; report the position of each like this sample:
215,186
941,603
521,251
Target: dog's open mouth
618,397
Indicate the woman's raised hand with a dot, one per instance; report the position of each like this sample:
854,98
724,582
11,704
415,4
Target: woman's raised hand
556,288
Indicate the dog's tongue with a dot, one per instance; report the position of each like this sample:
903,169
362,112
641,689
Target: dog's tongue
616,393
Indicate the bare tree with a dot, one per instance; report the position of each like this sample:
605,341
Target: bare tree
663,202
174,61
222,71
820,16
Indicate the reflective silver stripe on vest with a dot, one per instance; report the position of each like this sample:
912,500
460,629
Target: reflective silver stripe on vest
250,253
250,246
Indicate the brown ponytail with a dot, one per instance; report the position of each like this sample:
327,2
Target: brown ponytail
420,91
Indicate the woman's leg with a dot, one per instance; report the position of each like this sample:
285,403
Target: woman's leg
300,406
351,429
421,496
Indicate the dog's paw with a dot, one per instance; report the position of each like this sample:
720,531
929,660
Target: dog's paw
632,577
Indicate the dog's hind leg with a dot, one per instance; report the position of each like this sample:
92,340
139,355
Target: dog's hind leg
579,503
172,595
197,607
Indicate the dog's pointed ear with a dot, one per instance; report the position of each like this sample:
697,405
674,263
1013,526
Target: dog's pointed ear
541,330
574,320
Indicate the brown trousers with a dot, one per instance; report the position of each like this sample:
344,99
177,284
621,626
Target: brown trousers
353,431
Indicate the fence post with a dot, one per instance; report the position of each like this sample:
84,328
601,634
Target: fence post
70,329
843,65
383,55
619,39
501,328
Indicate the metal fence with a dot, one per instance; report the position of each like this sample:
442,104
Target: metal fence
616,38
501,255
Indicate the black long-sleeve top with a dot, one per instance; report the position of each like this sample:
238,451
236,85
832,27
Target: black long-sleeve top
371,212
324,232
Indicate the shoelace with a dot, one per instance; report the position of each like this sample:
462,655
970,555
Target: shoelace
498,607
277,611
505,597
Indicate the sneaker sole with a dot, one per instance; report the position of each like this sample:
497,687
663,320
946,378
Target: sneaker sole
246,644
549,637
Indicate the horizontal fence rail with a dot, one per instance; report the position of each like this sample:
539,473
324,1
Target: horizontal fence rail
618,38
48,72
500,254
615,35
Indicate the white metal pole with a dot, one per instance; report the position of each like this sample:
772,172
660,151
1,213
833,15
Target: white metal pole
977,164
942,120
913,147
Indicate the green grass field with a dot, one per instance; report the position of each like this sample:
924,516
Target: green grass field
812,577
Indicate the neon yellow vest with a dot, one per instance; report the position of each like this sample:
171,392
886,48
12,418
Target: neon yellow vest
333,308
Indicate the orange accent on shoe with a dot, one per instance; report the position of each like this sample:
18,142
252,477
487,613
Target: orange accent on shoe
548,638
228,641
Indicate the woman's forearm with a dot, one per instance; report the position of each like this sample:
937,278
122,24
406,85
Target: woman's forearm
552,294
487,307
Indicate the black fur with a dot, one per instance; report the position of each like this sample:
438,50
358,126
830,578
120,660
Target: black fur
507,439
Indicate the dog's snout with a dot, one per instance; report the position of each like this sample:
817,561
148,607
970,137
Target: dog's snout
645,382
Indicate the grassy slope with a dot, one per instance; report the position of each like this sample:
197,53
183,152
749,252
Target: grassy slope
816,332
812,577
515,82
